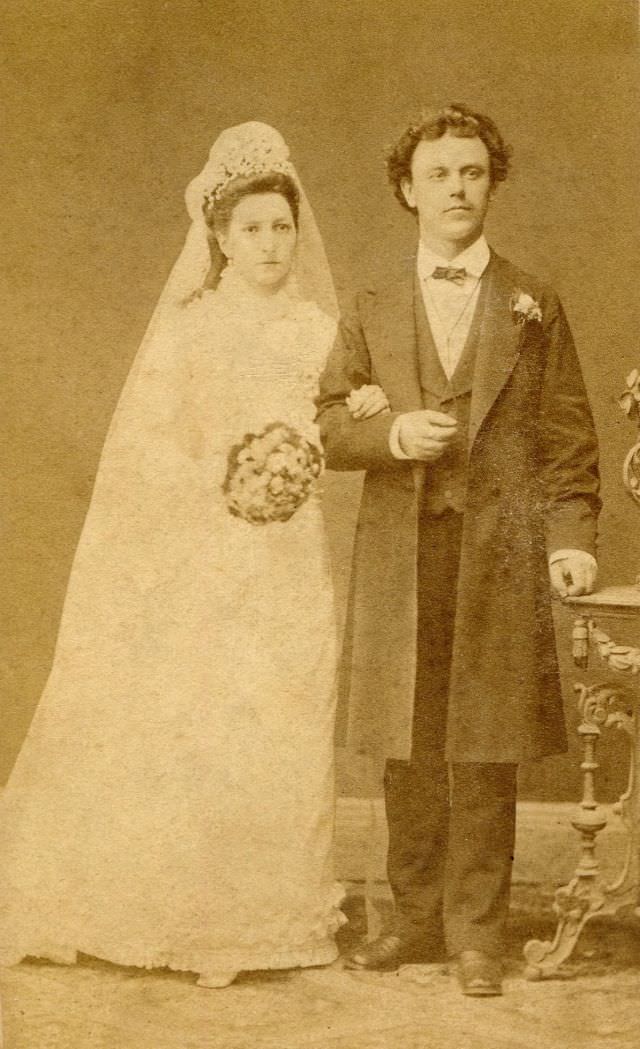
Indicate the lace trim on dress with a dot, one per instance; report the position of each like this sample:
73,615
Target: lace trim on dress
142,957
234,294
318,948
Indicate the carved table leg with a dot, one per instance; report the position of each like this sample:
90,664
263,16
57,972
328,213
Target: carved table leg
624,890
578,901
586,895
633,815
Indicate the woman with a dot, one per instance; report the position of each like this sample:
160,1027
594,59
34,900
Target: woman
172,804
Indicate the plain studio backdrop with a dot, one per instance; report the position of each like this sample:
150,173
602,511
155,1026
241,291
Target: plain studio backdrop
112,108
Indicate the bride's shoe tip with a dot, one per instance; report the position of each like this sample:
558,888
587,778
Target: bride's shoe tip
216,979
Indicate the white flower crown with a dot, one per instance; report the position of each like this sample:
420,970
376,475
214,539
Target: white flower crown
261,158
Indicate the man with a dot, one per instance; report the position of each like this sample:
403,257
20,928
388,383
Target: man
481,482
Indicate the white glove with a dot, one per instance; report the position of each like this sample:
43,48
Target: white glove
574,574
367,401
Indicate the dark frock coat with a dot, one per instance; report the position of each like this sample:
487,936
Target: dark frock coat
532,488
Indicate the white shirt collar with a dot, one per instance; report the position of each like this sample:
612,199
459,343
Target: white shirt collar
475,259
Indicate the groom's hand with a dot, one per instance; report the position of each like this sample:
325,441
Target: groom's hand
425,434
574,574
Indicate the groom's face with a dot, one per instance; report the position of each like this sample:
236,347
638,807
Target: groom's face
450,187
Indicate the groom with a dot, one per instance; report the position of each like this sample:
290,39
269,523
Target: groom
480,498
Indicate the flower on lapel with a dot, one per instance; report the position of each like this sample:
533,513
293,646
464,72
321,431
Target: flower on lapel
524,308
630,399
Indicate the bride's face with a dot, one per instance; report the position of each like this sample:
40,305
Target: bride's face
260,240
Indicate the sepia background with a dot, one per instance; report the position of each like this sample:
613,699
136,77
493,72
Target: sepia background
111,108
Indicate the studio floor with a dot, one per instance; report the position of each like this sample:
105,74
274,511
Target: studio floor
98,1006
593,1005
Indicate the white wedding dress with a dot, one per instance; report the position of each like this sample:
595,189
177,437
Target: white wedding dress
173,801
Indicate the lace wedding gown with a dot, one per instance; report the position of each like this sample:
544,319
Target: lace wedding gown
173,801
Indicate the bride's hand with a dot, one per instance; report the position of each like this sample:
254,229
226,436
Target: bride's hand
366,402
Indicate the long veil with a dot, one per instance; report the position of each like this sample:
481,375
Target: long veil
143,654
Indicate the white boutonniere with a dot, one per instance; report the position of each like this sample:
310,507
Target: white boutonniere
524,308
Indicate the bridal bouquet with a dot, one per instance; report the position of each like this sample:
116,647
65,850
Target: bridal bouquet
271,474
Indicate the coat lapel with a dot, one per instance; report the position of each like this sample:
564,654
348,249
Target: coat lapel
393,345
391,337
498,344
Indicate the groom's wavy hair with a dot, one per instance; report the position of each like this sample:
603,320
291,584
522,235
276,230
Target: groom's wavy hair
458,119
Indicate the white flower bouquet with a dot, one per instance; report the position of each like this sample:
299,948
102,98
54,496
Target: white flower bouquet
271,474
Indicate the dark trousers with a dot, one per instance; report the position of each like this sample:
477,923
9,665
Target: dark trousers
451,830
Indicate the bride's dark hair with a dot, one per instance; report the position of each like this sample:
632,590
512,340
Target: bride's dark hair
218,212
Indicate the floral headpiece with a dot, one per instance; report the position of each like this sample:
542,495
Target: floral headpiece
249,149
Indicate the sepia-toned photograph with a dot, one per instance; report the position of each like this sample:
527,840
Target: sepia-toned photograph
319,688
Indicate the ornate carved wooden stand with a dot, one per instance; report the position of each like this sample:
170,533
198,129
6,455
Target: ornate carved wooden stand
603,706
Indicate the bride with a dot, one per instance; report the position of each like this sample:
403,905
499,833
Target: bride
173,802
